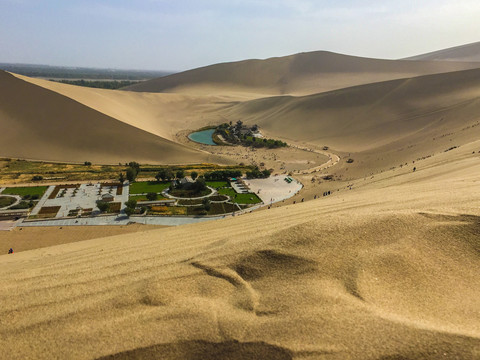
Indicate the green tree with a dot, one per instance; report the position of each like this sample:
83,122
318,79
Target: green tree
129,211
102,206
194,175
152,196
121,178
131,174
134,165
131,203
161,175
206,204
180,174
199,185
266,173
164,174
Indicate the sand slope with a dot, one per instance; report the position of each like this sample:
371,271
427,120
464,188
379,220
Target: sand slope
384,272
160,114
40,124
468,52
300,74
418,115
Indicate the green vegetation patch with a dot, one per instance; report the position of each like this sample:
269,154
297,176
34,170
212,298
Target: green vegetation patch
227,191
215,209
249,198
144,197
217,184
100,84
26,191
145,187
184,193
6,201
190,202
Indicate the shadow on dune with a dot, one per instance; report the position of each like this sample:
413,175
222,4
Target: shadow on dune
204,350
270,262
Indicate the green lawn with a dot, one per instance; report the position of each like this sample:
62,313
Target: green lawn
23,191
145,187
228,191
250,198
217,184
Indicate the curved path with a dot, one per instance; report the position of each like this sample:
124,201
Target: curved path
17,200
166,194
333,159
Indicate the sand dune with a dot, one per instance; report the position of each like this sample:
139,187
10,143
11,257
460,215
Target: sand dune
468,52
407,118
40,124
300,74
364,274
160,114
386,270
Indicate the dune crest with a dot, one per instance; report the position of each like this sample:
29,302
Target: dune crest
468,53
299,74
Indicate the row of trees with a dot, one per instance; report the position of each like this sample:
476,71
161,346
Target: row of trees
131,173
101,84
258,174
260,143
219,175
168,174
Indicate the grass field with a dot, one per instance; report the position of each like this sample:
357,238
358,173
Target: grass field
217,184
249,198
145,187
228,191
27,190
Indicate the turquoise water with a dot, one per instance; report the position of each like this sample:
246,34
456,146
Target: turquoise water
203,137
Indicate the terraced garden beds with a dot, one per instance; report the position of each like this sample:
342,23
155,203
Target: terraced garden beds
49,211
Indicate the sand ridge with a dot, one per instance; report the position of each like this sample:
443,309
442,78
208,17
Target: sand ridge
468,52
299,74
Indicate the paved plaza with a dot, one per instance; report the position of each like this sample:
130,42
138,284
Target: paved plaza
83,197
273,189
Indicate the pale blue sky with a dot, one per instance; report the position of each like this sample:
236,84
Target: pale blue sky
183,34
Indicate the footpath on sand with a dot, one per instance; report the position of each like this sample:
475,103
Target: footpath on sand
333,159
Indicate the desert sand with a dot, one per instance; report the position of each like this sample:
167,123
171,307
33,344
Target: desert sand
40,124
385,267
468,53
29,238
299,74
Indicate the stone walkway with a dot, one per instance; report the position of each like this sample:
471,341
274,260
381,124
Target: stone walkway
122,220
42,201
